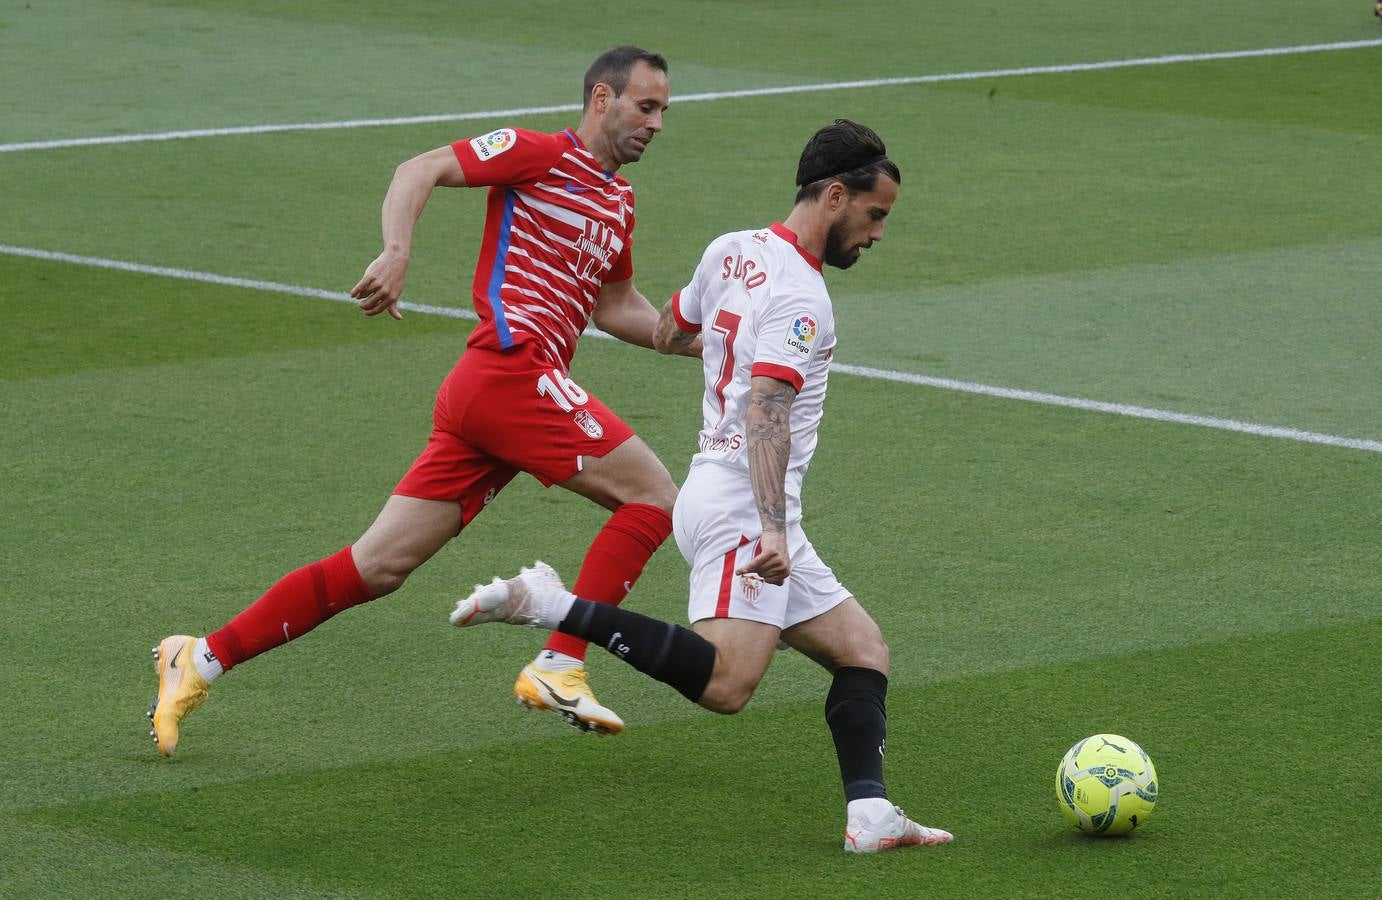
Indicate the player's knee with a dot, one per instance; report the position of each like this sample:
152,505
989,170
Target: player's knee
386,574
726,696
659,491
666,496
870,653
875,654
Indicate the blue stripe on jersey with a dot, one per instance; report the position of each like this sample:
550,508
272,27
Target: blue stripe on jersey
496,278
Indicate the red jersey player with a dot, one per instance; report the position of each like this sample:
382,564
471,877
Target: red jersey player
557,252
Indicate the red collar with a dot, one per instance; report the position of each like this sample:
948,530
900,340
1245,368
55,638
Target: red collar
790,237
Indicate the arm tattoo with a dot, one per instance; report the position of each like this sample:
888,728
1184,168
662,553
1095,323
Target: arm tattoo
668,338
770,447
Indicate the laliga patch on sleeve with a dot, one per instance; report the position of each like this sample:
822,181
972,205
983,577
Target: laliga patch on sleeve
488,146
801,335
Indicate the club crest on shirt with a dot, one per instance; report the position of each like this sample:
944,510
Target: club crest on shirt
488,146
589,424
801,335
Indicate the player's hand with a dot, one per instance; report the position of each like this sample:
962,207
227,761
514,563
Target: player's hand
382,284
1377,10
772,564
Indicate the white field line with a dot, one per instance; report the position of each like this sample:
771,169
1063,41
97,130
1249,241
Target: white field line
969,387
1118,409
695,98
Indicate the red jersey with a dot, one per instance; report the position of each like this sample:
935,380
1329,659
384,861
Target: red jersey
557,228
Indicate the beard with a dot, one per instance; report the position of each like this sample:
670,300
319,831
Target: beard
836,253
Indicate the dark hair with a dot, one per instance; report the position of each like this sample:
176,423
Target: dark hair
612,68
847,152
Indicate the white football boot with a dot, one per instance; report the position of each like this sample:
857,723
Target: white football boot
530,598
886,828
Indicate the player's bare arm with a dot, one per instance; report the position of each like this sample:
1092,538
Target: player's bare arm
770,447
668,338
413,182
624,312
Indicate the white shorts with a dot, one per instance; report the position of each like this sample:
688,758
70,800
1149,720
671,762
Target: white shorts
717,529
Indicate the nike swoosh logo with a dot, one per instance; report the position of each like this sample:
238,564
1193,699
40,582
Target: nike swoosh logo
575,188
173,663
569,704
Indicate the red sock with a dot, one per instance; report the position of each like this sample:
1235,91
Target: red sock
299,602
614,561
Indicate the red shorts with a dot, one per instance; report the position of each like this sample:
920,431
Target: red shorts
501,413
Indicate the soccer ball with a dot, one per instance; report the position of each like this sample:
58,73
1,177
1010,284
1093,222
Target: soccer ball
1106,785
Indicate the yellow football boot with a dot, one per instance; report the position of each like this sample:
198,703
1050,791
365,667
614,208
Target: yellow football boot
568,695
181,689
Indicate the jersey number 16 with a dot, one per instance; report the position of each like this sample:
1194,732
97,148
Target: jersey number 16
564,392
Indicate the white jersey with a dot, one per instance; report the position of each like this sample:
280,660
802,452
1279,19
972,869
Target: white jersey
762,308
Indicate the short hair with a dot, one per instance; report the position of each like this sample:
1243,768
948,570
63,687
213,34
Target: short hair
613,66
847,152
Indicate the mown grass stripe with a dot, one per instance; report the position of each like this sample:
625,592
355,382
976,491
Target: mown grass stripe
949,384
938,78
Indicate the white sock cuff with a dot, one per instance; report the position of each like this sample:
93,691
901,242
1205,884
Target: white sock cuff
208,666
556,661
560,608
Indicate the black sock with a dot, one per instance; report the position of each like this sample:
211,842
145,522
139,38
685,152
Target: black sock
854,710
669,653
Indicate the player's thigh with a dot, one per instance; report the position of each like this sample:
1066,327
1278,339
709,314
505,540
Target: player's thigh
630,473
539,420
845,635
405,534
451,469
743,650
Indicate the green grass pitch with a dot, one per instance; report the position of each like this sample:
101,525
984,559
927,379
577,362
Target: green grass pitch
1200,238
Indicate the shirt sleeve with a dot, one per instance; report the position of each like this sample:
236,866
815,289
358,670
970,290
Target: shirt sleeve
507,156
686,303
792,332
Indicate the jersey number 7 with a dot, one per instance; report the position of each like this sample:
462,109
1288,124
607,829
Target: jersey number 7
726,323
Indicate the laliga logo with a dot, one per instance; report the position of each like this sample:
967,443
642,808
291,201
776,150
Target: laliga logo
803,332
488,146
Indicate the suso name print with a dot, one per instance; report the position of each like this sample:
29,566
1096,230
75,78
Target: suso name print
741,268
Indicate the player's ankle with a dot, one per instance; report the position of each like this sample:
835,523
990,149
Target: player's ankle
208,666
556,661
870,809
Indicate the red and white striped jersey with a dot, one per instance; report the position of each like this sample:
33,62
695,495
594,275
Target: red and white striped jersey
558,227
762,308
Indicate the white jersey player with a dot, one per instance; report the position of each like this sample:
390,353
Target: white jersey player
759,304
